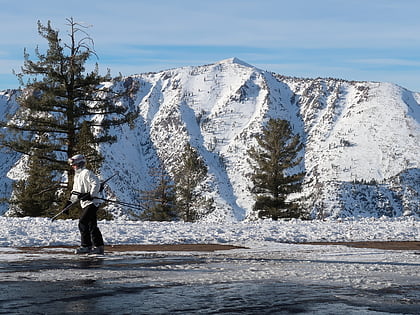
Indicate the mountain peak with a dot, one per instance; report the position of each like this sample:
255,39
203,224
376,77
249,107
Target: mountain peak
237,61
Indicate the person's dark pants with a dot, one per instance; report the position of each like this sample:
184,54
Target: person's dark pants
88,227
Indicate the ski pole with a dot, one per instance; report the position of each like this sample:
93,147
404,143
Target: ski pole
122,203
105,181
64,210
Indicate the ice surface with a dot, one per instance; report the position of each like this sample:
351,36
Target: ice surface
272,271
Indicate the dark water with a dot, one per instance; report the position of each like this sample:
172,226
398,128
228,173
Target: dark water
78,296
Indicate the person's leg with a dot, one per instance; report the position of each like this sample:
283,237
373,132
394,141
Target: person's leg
85,228
95,233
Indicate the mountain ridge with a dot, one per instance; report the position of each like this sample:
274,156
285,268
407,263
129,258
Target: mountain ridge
354,132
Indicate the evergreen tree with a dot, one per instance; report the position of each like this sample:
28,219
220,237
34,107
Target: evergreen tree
61,100
160,201
34,196
190,173
275,156
86,144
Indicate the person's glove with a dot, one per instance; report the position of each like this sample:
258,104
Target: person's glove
85,197
68,203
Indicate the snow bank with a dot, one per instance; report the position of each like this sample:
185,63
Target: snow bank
42,232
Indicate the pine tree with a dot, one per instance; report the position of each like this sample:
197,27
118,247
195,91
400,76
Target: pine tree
35,196
272,160
190,173
86,144
60,100
160,201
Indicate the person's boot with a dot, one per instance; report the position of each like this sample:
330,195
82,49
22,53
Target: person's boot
97,250
83,250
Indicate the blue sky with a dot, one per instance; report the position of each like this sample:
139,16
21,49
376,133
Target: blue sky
366,40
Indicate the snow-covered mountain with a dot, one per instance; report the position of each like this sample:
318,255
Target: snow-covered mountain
361,138
8,106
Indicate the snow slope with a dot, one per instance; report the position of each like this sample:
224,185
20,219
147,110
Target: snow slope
8,159
361,138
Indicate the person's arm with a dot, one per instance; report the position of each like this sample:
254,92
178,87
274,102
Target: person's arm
94,184
74,194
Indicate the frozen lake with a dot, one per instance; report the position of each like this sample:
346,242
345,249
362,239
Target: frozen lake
281,279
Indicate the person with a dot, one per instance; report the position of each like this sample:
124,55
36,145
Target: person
85,188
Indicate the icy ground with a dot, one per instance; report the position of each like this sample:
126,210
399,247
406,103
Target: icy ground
271,275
